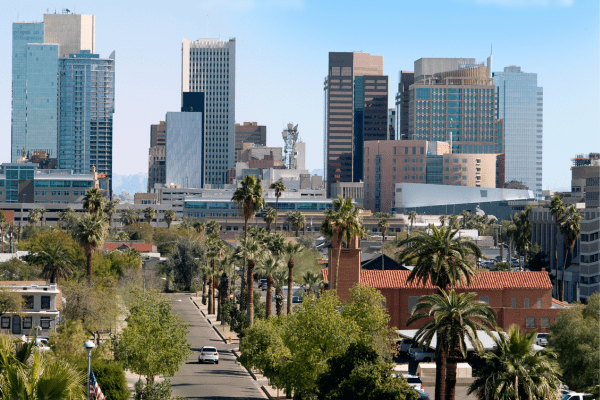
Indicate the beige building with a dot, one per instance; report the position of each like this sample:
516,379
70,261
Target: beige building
72,32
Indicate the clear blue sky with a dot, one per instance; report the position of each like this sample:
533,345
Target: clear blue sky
282,53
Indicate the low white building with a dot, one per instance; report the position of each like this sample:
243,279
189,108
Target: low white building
42,303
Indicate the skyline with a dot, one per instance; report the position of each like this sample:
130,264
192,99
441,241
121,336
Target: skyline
282,56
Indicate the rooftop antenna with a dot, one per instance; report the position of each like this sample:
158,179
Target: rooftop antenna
290,137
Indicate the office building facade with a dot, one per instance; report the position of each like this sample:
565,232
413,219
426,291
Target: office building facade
72,32
405,79
208,67
87,105
184,150
356,104
156,155
249,132
520,103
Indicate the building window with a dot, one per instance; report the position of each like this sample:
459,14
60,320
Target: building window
526,303
45,322
45,302
5,323
412,303
539,303
530,322
545,322
484,299
27,322
28,302
513,302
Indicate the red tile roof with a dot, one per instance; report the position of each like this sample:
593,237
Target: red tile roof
560,303
483,280
141,247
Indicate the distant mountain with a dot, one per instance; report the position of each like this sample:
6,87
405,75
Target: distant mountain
130,183
317,172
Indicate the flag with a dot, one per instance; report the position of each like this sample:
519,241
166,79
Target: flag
94,388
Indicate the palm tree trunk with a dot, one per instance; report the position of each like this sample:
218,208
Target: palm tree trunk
451,367
278,301
250,296
220,301
516,387
211,289
244,270
204,289
440,371
337,263
555,257
269,305
276,211
383,251
290,284
562,280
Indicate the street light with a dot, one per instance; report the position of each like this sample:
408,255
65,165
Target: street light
89,345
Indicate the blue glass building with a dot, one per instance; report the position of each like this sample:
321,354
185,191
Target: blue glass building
520,104
87,104
34,91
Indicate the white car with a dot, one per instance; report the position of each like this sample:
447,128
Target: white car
404,345
414,381
208,354
541,339
577,396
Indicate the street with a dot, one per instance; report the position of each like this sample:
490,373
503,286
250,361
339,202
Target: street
226,380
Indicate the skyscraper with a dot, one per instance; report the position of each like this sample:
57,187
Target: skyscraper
156,155
405,79
249,132
520,103
356,104
72,32
87,104
208,66
34,91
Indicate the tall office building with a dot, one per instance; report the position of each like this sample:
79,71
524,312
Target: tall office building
87,104
72,32
208,67
34,91
456,106
356,104
249,132
520,103
156,155
405,79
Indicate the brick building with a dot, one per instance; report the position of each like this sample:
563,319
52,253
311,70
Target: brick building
249,132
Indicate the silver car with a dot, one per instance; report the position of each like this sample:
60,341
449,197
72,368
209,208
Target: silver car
208,354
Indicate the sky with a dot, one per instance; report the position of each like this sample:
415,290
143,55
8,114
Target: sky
282,55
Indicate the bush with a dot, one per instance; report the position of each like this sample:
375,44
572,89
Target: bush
111,379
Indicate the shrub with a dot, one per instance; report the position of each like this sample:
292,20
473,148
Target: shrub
111,379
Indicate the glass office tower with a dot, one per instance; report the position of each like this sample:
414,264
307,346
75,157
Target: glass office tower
34,91
520,103
87,104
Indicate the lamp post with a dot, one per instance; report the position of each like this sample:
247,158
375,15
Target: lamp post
89,345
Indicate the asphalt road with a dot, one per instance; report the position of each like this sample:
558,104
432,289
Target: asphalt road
226,380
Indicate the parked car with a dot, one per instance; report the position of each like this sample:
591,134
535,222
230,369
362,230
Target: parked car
577,396
262,283
208,354
41,344
423,354
414,381
541,339
422,394
404,345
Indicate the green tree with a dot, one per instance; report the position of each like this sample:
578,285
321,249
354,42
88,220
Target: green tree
34,216
453,222
91,233
290,250
271,266
212,227
515,371
341,222
412,217
68,220
443,219
130,216
185,262
55,260
254,252
93,201
154,341
570,227
309,281
110,209
111,379
296,220
466,218
42,211
279,188
10,301
456,317
169,217
557,210
216,248
62,342
149,214
269,215
574,337
16,269
279,280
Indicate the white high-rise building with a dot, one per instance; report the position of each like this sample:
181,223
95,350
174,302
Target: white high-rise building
72,32
208,66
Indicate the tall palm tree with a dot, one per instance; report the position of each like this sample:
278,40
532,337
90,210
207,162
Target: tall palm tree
110,209
216,248
269,215
456,317
250,201
412,217
453,222
466,217
205,271
570,227
279,280
291,249
55,260
443,219
310,280
279,188
149,214
557,210
513,370
341,222
212,227
34,216
383,225
91,232
130,216
93,201
169,217
42,211
200,226
271,266
296,220
253,252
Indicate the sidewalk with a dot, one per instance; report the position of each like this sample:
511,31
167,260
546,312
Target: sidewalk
230,337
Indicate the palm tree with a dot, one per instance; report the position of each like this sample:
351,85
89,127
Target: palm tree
412,217
383,225
123,237
466,217
55,260
441,257
570,227
269,216
91,233
279,280
276,243
42,212
111,209
279,188
93,201
453,222
200,226
341,222
443,219
212,227
227,269
557,210
205,270
169,217
290,250
149,214
310,280
34,216
513,370
270,267
296,220
253,252
216,248
130,216
456,317
250,201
